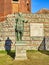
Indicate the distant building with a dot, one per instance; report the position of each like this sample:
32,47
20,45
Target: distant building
14,6
43,11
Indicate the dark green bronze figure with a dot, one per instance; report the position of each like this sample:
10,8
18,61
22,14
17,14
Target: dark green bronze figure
19,27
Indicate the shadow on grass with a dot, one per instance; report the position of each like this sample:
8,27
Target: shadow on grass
41,51
11,53
44,52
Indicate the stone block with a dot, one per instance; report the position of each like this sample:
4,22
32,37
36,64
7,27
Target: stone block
20,50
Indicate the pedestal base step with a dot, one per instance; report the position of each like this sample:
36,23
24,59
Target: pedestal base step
20,58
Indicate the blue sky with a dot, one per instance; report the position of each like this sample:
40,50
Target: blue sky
36,5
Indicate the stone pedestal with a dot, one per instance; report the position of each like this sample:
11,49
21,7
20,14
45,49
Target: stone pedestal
20,53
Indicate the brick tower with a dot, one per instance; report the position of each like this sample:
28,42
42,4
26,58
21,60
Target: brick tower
24,6
21,6
5,8
14,6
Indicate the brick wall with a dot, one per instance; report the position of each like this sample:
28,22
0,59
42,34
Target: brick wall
8,27
5,8
25,6
21,6
1,9
15,7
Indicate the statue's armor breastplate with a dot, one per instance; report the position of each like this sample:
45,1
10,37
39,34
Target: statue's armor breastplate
20,25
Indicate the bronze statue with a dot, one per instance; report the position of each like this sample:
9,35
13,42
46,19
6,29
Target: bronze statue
19,27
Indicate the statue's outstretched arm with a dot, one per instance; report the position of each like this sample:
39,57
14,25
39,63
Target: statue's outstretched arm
26,21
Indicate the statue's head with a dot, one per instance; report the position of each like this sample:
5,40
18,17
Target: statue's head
19,13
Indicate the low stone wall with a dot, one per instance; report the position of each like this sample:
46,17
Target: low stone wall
7,29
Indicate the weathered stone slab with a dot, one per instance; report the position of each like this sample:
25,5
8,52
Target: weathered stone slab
36,29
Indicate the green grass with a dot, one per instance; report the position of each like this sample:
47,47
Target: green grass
34,58
1,51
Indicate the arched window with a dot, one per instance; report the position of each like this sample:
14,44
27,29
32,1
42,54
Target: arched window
28,7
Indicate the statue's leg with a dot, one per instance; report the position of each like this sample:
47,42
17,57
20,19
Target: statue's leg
21,34
17,36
